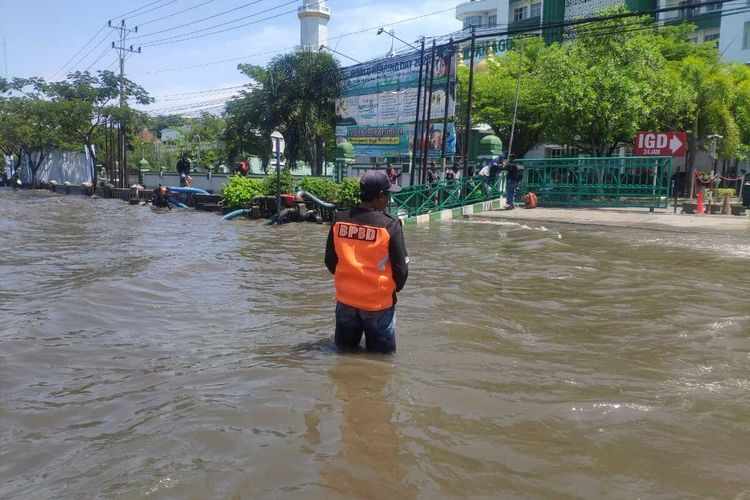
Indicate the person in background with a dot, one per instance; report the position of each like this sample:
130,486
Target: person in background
485,170
160,197
432,176
392,173
514,176
450,174
366,254
242,168
495,170
183,168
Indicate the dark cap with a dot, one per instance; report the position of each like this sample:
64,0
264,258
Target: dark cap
375,181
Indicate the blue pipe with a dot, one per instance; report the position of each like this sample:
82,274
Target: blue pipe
318,201
177,203
187,190
235,214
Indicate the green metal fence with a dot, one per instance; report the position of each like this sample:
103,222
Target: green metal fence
441,195
602,182
586,182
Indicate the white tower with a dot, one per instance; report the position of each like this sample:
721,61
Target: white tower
313,18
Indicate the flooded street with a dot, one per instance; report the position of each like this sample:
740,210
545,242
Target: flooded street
180,356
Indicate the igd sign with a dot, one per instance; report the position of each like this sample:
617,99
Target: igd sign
660,144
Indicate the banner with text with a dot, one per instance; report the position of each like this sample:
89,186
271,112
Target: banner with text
378,110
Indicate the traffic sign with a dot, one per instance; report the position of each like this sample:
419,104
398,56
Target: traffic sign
660,144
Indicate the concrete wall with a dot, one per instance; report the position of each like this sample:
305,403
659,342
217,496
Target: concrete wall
60,166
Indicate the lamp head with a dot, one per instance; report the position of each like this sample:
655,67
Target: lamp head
380,30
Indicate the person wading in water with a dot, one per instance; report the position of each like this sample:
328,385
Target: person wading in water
367,256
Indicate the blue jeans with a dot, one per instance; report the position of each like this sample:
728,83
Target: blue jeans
510,191
379,328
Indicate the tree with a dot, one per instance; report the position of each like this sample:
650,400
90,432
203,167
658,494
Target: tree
87,100
31,129
495,84
602,89
295,94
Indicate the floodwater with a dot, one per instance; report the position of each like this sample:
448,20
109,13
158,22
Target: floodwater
179,356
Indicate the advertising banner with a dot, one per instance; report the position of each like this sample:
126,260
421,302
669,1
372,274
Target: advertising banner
378,110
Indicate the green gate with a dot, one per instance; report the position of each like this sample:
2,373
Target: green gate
633,181
445,194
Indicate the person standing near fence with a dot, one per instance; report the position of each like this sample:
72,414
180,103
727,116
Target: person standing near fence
514,176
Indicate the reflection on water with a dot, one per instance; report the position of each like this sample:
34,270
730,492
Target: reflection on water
371,461
176,355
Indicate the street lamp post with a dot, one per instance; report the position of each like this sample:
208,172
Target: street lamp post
393,35
277,146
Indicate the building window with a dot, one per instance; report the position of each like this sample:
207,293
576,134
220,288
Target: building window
536,10
687,10
708,38
520,13
713,7
693,39
746,36
472,21
492,21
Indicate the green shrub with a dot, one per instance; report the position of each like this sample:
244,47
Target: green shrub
348,193
240,190
268,184
731,192
325,189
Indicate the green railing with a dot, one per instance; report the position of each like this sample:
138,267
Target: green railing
602,182
445,194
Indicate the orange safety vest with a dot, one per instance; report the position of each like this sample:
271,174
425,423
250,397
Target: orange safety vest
364,275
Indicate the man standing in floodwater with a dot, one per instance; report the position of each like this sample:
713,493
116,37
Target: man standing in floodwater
367,256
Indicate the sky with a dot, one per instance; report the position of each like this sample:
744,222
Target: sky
41,37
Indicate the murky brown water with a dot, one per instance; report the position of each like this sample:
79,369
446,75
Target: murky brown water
179,356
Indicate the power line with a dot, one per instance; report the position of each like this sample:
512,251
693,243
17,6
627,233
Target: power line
98,44
103,53
150,21
136,10
151,10
209,91
205,19
77,53
604,31
184,36
338,37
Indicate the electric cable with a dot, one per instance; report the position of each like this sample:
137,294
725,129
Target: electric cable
77,53
150,21
125,15
192,36
205,19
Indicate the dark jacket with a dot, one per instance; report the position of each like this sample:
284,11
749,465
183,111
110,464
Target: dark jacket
515,171
183,166
366,253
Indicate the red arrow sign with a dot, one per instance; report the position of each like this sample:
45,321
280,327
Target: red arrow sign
660,144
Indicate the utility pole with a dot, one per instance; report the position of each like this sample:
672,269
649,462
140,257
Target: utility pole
121,51
515,106
416,118
467,130
428,114
448,58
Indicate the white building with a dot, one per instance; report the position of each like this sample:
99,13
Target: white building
313,17
734,42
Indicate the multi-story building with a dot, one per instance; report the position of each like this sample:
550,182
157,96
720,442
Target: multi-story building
721,23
